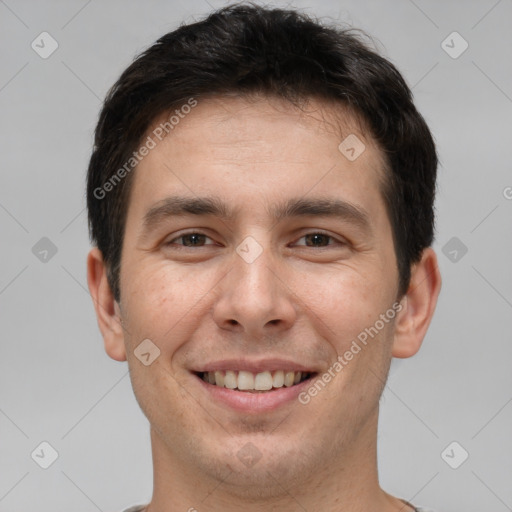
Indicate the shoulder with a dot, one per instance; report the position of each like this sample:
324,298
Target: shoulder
135,508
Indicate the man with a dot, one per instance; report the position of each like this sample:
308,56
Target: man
260,199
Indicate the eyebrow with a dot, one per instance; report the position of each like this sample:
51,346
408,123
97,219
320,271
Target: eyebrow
181,206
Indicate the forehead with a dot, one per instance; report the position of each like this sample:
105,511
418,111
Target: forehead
254,119
245,148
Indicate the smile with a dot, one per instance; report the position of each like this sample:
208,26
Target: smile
254,382
253,392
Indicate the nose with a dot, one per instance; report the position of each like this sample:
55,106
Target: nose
254,297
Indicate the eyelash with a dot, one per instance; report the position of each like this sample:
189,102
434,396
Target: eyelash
171,242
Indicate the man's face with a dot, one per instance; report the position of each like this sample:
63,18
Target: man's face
255,293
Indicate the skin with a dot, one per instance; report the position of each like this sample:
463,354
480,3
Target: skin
299,299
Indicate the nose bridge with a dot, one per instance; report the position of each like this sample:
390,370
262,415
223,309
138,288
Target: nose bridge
253,297
253,266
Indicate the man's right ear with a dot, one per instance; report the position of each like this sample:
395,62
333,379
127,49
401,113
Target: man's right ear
107,309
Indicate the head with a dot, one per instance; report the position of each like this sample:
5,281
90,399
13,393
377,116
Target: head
295,154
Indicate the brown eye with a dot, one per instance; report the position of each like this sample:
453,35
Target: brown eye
318,239
193,239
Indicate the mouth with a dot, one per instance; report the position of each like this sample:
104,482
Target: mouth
262,382
254,386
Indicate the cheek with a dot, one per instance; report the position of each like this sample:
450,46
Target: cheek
349,308
152,301
347,302
162,302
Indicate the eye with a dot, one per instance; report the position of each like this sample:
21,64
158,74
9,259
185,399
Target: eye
192,239
318,239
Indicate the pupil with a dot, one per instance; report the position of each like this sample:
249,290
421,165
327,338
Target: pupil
194,237
316,237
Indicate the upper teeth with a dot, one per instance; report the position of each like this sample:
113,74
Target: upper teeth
244,380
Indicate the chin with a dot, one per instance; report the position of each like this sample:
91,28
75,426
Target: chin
256,467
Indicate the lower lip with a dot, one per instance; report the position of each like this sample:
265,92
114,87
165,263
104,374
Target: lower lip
254,402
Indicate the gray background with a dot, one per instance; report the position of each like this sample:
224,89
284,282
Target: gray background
56,382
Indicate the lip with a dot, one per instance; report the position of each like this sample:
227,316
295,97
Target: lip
255,403
255,366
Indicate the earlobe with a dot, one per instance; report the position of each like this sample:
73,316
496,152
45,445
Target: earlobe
418,306
107,310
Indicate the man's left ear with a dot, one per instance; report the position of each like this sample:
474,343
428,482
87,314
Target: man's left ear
418,305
